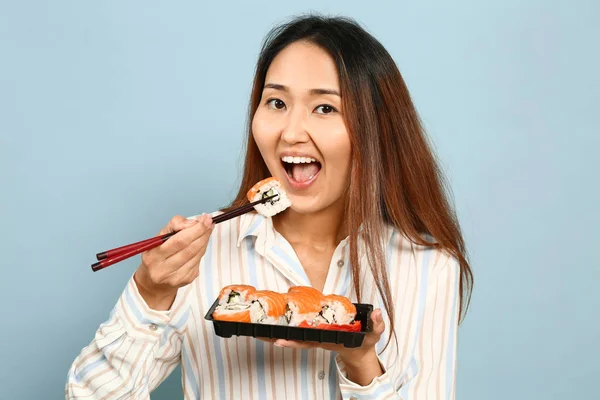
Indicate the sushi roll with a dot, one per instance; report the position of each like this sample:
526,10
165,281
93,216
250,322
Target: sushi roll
336,310
234,303
309,291
267,307
302,306
266,188
235,294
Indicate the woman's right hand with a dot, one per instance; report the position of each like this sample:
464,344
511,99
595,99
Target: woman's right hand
174,263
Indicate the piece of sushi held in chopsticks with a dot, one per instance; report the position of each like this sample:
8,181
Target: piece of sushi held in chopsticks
234,303
269,195
267,307
267,188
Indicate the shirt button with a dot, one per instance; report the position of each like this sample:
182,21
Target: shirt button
153,327
340,263
322,375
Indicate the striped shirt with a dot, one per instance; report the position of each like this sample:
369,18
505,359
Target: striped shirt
137,347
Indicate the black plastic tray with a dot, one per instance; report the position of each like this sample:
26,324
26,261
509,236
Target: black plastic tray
227,329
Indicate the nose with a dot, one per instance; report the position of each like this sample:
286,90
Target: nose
294,129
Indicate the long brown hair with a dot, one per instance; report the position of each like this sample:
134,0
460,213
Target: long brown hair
394,175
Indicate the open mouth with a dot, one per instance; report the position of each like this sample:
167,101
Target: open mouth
301,170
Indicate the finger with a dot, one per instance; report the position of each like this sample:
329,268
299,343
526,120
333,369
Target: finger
332,347
184,275
185,237
177,223
196,248
308,345
292,344
378,327
264,339
378,324
181,262
190,268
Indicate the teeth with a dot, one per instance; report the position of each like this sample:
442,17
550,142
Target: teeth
297,160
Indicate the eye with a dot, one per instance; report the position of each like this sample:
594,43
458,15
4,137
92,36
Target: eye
276,104
325,109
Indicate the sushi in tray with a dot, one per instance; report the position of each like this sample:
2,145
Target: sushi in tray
303,313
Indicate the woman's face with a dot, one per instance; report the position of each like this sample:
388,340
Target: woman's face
299,128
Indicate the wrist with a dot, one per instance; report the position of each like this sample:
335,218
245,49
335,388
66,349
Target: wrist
157,298
362,368
357,359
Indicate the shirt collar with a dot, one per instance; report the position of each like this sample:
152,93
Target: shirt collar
255,224
251,224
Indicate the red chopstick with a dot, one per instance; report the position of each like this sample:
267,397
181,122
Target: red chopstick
113,256
129,247
161,239
132,252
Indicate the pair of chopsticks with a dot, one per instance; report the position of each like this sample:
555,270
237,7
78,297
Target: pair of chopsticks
113,256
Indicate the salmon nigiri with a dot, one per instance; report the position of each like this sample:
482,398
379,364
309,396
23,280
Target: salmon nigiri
267,307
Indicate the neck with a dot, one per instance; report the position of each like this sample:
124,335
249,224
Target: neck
323,228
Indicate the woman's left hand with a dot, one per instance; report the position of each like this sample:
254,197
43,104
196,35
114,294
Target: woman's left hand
350,356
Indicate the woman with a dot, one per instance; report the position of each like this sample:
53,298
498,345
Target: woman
331,118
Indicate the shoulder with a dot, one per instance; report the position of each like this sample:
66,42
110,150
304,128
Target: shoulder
427,262
237,228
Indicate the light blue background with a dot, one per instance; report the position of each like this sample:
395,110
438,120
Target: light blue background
117,115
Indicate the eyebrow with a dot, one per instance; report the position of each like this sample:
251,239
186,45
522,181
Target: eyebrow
283,88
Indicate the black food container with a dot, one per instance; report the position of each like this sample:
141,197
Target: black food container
227,329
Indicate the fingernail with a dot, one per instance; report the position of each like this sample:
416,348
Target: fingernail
207,220
378,316
278,344
190,222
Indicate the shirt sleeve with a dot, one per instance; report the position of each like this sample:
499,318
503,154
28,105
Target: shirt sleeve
431,371
380,388
132,352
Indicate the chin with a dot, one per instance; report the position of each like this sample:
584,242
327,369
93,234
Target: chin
308,205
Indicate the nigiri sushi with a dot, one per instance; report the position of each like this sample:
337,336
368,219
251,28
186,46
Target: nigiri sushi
234,303
267,307
266,188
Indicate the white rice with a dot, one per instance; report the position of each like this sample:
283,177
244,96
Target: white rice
258,314
274,206
334,312
296,318
224,299
228,310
